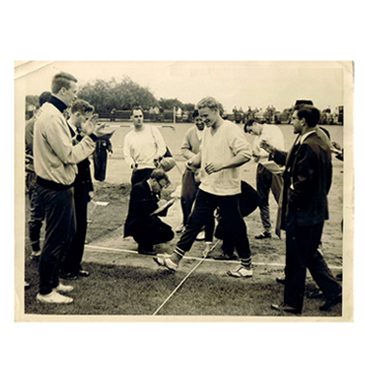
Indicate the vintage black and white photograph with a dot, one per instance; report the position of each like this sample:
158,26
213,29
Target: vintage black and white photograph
184,190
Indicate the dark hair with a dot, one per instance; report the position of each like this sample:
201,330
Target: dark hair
137,107
159,174
249,124
44,97
81,106
61,80
195,113
310,113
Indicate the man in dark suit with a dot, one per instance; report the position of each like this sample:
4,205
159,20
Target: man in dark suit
83,190
147,229
307,180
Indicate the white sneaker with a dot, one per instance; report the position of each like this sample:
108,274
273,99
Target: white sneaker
63,288
35,254
240,272
200,236
208,248
165,262
53,297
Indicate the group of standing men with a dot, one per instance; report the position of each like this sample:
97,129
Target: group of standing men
299,179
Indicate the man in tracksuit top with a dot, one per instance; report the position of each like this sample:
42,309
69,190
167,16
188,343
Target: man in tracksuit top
55,160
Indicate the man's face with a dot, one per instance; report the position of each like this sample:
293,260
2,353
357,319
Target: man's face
199,123
296,123
137,118
208,116
157,186
70,95
254,129
81,118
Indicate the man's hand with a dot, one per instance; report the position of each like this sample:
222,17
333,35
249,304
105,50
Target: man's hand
213,167
88,126
267,147
99,130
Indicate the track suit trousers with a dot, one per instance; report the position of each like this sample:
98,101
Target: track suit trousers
60,229
234,226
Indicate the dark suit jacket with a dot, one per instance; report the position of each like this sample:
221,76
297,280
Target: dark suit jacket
83,182
307,181
142,203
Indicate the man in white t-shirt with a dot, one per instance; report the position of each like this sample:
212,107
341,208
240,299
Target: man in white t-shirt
224,149
268,173
143,147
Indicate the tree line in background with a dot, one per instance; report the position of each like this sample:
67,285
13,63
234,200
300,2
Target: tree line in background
113,100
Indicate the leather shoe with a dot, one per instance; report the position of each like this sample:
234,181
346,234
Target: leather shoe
263,235
150,252
83,273
68,275
283,307
281,280
330,303
225,257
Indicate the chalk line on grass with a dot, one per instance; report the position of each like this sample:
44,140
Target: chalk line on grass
121,250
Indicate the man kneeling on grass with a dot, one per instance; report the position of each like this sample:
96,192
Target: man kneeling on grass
142,222
224,148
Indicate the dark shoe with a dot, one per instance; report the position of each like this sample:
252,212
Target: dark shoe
283,307
330,303
147,251
226,257
68,276
281,280
339,277
315,294
263,235
83,273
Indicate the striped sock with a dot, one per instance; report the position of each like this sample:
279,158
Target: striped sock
246,262
177,255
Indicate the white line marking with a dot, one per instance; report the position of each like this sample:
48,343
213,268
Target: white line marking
88,247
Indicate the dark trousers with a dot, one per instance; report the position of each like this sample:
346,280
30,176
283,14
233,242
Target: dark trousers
266,181
301,253
36,218
188,194
151,231
235,234
60,228
140,175
73,258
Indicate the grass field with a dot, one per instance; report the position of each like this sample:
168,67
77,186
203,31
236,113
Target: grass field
125,283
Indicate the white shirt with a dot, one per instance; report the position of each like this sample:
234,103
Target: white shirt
227,141
141,147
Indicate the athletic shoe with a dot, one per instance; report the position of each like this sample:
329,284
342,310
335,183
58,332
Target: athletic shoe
263,235
165,262
35,255
200,236
240,272
54,298
63,288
